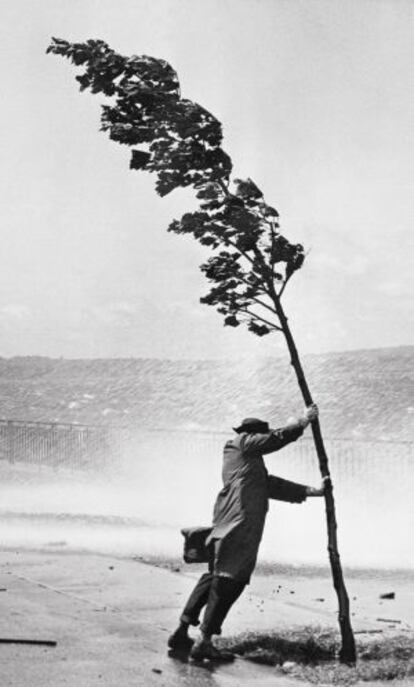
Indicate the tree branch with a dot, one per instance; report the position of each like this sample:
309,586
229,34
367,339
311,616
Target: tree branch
279,295
262,319
264,305
257,300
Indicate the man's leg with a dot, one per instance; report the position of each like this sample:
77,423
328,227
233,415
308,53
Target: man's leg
190,615
224,591
197,600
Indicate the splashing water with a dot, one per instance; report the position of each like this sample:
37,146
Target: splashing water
163,481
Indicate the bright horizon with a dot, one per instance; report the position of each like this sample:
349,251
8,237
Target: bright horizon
255,356
316,101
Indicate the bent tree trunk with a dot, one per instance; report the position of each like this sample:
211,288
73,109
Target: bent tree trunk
347,653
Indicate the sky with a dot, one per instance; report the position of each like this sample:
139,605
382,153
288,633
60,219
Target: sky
316,98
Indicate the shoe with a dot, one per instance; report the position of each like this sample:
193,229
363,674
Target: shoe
203,649
179,641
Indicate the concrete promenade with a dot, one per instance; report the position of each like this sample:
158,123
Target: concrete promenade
111,619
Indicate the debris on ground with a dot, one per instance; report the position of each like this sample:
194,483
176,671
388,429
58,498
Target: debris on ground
37,642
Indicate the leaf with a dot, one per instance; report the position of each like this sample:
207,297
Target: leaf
84,81
231,321
259,329
79,57
139,159
269,211
210,191
208,241
246,243
247,189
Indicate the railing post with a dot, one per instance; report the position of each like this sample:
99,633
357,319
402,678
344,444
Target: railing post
9,442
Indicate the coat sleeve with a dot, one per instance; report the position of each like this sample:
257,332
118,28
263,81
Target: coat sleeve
284,490
271,441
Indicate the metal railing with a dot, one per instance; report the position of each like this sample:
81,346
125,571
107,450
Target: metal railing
57,444
78,446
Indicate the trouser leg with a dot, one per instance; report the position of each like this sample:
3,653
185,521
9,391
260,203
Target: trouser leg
197,600
224,591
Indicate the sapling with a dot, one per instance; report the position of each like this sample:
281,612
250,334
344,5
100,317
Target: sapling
252,262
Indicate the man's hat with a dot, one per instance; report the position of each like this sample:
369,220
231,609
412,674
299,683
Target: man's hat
251,424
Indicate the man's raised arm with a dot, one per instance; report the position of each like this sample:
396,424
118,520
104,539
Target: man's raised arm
276,439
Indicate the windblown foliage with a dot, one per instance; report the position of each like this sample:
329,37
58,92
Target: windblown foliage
180,142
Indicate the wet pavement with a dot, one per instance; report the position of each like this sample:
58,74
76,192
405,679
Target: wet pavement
111,619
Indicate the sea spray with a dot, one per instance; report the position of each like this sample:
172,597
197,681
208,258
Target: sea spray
162,481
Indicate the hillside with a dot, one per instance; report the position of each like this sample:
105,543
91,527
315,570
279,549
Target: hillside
360,393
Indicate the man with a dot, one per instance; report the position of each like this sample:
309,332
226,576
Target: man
238,521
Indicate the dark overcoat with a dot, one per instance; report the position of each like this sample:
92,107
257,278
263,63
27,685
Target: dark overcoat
241,505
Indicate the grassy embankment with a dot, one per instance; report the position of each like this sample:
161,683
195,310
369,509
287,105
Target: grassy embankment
311,654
